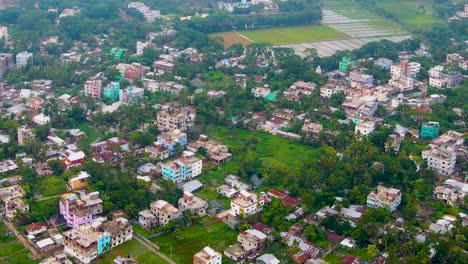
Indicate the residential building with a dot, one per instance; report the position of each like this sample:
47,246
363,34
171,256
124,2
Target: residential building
172,118
25,134
218,153
172,139
261,91
150,15
85,243
357,76
112,90
157,151
384,197
207,256
383,63
164,66
6,62
429,130
135,71
93,87
14,205
252,240
81,208
364,128
346,64
440,78
183,168
72,158
283,113
299,88
267,259
246,203
452,191
23,58
236,183
164,212
441,153
147,219
131,95
80,181
41,119
7,166
120,231
192,203
311,129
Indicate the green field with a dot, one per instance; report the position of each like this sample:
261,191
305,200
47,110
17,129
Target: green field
350,9
407,12
183,244
299,34
133,249
51,186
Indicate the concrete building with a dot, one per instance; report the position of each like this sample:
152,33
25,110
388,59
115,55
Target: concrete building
80,181
311,129
383,63
150,15
441,153
346,64
192,203
131,95
429,130
93,86
246,203
252,240
157,151
120,231
183,168
23,58
172,118
364,128
357,76
81,208
164,212
142,45
86,243
41,119
8,3
384,197
171,139
452,191
440,78
112,90
147,219
25,134
207,256
163,66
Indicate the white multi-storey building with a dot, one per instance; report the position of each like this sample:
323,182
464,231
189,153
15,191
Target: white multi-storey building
441,155
164,212
246,203
389,197
207,256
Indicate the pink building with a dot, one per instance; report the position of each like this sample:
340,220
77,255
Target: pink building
93,88
78,210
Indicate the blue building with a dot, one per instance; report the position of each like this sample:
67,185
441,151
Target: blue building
171,139
112,90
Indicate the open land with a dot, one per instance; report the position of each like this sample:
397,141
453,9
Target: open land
133,249
230,38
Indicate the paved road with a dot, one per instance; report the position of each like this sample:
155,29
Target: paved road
151,247
22,239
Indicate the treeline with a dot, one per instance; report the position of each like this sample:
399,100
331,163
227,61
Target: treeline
222,21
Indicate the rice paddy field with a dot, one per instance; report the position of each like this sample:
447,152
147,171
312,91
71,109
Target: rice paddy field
407,12
296,34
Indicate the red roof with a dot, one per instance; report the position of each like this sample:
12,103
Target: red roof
350,260
260,226
333,236
277,193
301,257
35,227
289,201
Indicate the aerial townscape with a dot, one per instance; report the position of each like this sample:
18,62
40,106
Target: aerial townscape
234,131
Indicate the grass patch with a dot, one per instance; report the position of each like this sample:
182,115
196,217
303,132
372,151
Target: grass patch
230,38
22,257
140,230
6,239
225,202
297,34
208,194
183,244
407,12
357,252
51,186
10,249
332,259
133,249
91,133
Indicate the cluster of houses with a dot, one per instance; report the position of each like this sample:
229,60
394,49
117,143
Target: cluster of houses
12,198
